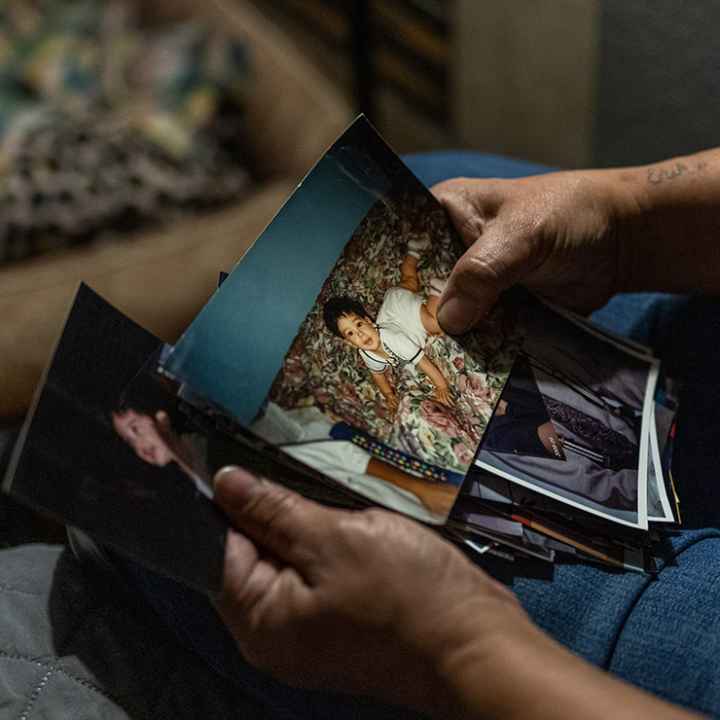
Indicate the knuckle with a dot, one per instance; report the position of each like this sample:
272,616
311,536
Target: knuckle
448,187
375,517
357,528
379,523
472,269
471,225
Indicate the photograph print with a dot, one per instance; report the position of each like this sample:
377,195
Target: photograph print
574,420
659,507
342,362
107,449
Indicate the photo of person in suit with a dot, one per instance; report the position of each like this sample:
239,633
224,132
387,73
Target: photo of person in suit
570,420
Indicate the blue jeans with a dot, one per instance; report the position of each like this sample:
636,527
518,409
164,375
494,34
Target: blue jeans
659,633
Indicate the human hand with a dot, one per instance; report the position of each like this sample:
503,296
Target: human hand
561,235
365,602
392,405
443,395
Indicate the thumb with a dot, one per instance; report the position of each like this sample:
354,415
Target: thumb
493,263
274,518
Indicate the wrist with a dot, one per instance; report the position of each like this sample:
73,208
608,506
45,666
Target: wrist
473,655
627,211
514,671
665,215
492,675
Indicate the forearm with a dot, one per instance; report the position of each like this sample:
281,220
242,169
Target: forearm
432,371
383,385
435,497
668,224
528,676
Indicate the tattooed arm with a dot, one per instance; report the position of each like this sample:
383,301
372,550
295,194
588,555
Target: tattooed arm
579,237
674,238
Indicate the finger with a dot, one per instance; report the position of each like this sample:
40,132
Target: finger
495,262
470,204
274,518
250,582
246,574
453,195
241,557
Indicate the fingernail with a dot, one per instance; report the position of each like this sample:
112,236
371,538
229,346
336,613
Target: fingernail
235,481
457,314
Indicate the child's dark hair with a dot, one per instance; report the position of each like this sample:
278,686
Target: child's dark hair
147,394
338,306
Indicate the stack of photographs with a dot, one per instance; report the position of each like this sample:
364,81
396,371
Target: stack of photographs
320,363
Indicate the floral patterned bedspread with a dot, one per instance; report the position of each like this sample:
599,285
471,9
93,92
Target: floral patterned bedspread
321,369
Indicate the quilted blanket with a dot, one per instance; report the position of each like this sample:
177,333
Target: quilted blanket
70,650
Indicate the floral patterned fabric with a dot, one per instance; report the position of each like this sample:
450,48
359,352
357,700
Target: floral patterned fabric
322,369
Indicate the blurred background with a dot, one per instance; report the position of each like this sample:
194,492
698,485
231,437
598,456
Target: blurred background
145,144
566,82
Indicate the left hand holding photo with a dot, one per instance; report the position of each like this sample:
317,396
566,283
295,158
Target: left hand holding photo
373,603
339,600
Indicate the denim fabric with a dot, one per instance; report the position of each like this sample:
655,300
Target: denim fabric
660,633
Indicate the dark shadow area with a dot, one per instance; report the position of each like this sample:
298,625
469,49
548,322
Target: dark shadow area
127,652
508,572
694,348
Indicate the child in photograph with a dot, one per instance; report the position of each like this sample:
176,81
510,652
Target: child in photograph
398,335
146,420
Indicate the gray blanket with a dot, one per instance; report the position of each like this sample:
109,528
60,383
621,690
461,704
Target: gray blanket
71,647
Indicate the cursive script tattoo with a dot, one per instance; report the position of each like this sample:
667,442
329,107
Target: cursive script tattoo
657,175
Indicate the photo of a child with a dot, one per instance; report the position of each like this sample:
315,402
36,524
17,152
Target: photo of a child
109,451
371,355
147,419
398,335
353,268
